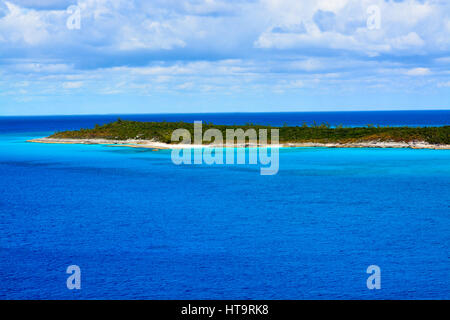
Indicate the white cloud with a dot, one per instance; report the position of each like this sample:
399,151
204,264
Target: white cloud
401,32
297,84
418,72
185,85
444,84
308,65
215,27
150,35
206,45
410,40
72,85
41,68
21,26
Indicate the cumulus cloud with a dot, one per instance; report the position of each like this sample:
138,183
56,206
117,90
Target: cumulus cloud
343,25
168,46
213,29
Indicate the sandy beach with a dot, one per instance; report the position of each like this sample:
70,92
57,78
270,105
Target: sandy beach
149,144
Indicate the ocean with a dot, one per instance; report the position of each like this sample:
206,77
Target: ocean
140,227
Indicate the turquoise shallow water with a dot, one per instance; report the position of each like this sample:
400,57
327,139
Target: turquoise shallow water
140,227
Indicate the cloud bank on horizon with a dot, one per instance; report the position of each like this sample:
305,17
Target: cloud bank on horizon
126,56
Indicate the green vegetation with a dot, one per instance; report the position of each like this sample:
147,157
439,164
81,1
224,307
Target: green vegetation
162,132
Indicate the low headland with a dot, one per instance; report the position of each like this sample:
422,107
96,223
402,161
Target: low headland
158,135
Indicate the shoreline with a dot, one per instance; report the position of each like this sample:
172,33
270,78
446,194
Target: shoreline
149,144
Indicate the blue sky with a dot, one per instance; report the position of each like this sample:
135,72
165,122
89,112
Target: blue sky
165,56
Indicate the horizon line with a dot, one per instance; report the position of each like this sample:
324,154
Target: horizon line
224,112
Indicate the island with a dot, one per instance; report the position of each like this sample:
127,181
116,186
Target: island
158,135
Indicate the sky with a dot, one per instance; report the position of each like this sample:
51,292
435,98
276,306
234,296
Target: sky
167,56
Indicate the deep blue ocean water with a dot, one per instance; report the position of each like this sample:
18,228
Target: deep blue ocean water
141,227
382,118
